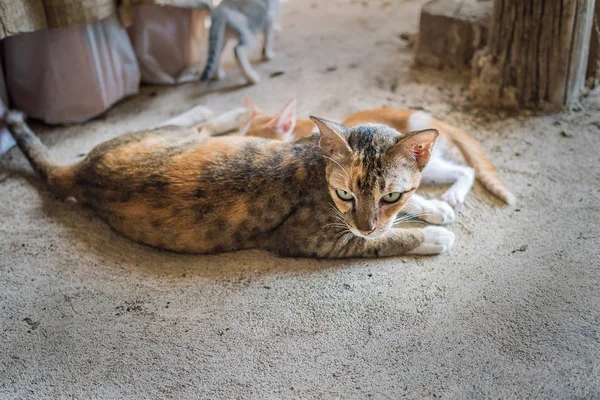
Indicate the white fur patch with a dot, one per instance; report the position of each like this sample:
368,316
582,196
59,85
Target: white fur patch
443,171
191,117
437,240
419,120
433,211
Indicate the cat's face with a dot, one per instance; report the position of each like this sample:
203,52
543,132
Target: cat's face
372,170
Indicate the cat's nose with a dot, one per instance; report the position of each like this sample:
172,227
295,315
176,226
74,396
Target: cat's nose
367,232
365,223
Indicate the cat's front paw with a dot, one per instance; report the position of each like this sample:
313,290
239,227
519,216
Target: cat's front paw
454,198
436,241
438,212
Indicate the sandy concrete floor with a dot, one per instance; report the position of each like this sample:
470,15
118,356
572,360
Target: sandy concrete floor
511,312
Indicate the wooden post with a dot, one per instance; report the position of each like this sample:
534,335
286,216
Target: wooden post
593,69
537,55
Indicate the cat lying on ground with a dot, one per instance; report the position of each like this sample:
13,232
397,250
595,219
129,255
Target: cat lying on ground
332,194
286,127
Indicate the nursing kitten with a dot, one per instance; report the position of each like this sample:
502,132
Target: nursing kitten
243,19
333,194
438,170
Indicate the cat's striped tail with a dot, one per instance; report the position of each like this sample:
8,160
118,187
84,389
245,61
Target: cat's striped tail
216,37
476,157
60,179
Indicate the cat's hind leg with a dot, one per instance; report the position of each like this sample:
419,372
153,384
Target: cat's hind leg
243,48
462,177
220,73
226,122
190,118
268,52
429,210
241,54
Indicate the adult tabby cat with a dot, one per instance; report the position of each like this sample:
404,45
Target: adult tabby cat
333,194
284,126
244,19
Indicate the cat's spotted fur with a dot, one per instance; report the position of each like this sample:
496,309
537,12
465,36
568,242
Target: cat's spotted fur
170,189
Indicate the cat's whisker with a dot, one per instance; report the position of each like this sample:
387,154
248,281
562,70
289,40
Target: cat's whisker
421,214
335,225
416,221
341,234
337,174
406,216
406,219
411,218
338,213
338,164
347,238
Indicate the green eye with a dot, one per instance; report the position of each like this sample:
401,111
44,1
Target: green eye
344,195
392,197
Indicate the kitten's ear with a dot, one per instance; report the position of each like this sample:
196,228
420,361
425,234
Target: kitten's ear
332,140
253,108
284,123
417,146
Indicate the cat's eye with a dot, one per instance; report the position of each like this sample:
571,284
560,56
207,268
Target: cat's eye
391,197
344,195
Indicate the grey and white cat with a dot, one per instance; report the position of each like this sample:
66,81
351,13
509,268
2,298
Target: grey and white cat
243,19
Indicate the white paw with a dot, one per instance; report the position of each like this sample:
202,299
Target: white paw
438,212
268,55
454,198
221,74
436,240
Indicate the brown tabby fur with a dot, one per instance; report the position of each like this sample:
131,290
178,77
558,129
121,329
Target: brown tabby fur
169,189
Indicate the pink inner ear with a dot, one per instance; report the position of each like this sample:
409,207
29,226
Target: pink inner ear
285,122
419,145
284,127
421,152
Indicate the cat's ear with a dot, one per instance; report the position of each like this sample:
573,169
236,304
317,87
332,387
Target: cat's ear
284,123
253,108
332,140
417,146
